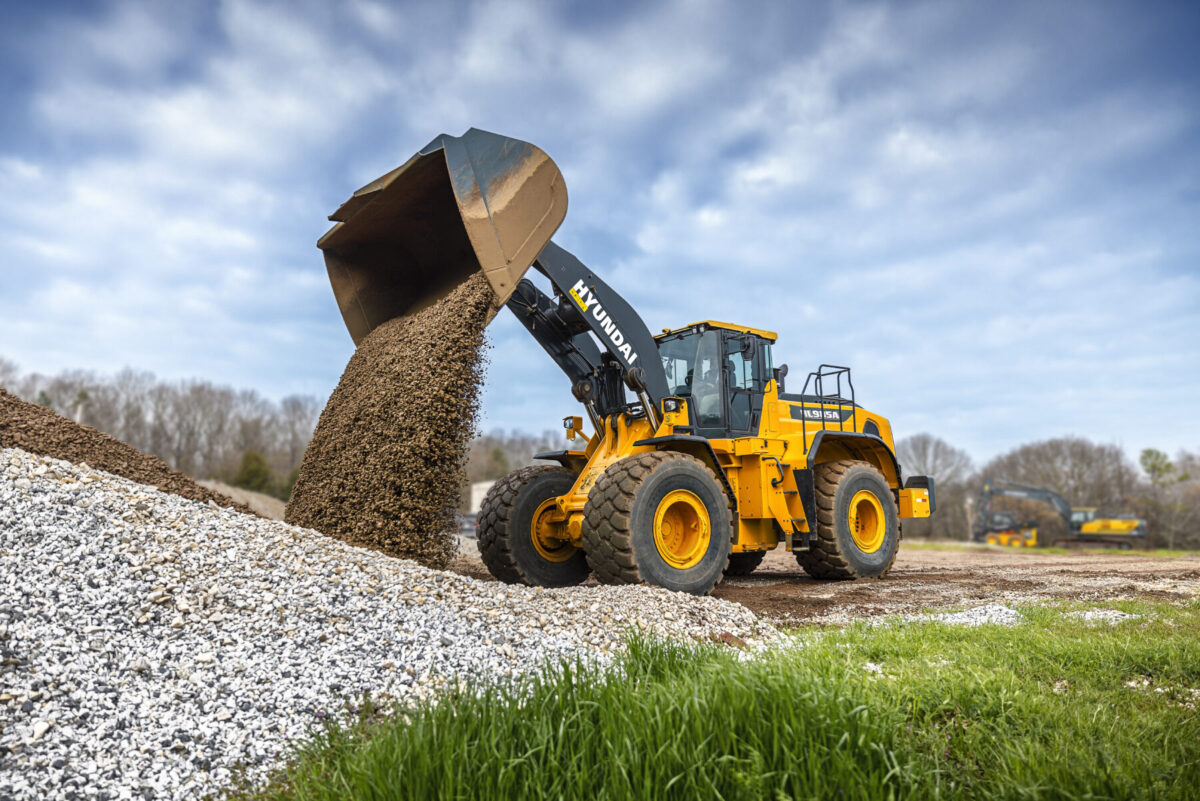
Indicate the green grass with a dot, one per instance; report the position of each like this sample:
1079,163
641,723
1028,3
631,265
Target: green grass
1037,711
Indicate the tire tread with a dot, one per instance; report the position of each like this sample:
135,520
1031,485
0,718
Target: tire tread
824,559
608,514
494,536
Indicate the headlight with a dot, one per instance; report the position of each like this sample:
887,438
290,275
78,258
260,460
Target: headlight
671,405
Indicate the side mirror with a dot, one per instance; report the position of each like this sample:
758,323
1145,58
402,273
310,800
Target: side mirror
749,348
780,374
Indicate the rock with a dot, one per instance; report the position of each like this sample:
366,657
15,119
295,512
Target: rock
37,429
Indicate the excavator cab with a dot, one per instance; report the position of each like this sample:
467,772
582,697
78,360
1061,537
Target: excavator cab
1082,515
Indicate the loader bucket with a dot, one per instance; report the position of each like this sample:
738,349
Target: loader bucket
463,204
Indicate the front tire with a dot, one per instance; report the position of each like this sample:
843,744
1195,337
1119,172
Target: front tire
857,526
658,518
510,519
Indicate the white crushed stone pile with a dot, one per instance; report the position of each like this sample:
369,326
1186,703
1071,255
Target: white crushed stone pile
151,643
1109,616
986,615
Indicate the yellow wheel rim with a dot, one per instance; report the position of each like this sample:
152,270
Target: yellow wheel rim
681,529
543,531
993,541
867,521
1016,542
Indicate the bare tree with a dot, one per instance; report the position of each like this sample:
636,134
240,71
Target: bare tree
494,455
951,469
1170,501
299,414
194,426
927,455
8,374
1083,472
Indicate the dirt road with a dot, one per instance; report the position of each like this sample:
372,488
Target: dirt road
925,579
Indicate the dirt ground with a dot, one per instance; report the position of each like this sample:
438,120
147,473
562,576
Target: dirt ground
924,579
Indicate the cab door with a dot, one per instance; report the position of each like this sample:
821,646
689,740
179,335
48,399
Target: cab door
744,371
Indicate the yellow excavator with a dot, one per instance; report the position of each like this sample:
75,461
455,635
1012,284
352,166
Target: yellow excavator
1081,524
698,461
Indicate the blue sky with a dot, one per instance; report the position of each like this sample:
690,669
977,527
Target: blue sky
990,211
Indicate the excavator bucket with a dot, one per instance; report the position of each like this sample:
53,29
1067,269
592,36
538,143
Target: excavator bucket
463,204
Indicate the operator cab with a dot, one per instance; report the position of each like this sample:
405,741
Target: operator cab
722,371
1002,521
1081,515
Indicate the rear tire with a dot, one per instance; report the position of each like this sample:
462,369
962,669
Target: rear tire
506,530
658,518
743,564
857,526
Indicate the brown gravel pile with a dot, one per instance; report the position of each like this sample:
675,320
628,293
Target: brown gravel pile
39,430
385,465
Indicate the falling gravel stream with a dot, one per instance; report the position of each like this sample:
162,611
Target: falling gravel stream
385,465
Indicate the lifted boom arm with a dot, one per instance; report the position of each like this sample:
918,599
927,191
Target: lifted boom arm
584,303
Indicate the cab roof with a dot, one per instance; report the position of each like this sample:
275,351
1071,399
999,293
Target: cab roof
770,336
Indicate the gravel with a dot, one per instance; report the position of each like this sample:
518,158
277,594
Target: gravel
150,643
384,468
986,615
1109,616
39,430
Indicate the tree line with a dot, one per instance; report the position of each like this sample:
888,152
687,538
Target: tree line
1165,492
241,438
196,427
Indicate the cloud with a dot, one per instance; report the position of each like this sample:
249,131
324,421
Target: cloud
983,215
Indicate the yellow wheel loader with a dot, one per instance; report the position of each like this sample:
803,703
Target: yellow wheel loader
698,461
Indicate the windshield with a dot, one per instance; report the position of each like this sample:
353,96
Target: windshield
692,366
680,356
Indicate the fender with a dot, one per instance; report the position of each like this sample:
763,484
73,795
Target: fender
574,461
858,443
702,449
